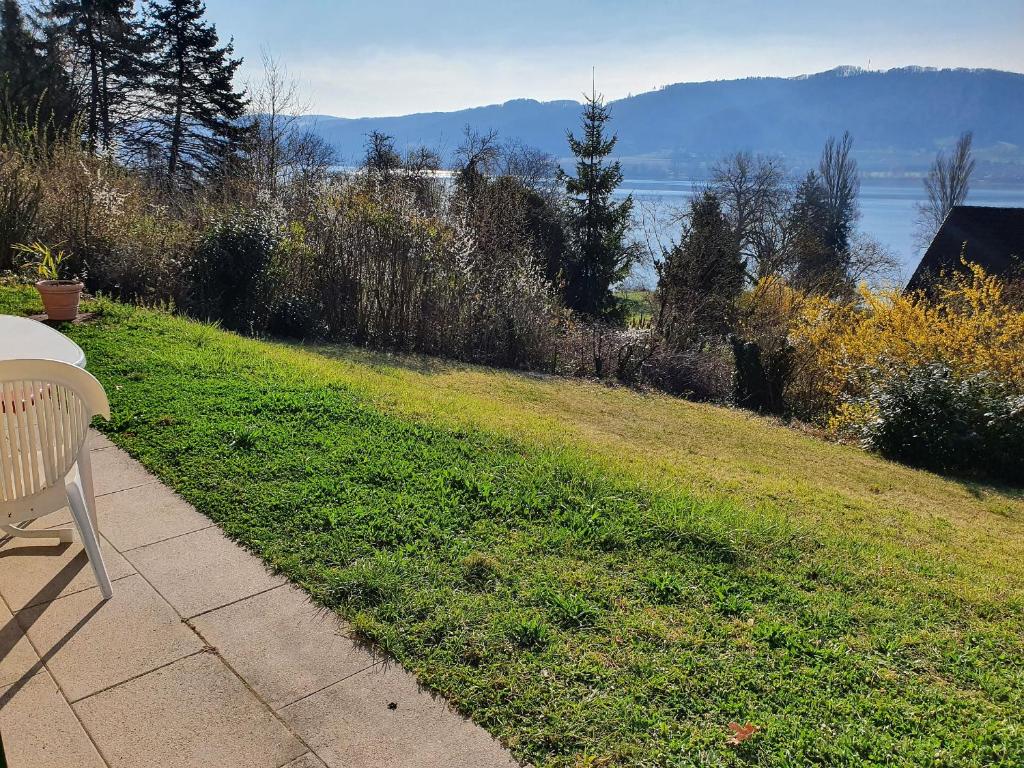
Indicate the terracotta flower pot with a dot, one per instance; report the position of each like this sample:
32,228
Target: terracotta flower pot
60,298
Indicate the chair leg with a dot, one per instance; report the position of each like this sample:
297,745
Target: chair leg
90,538
86,484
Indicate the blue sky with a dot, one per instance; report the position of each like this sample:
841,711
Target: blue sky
390,57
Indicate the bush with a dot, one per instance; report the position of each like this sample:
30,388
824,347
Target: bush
929,417
20,194
843,350
390,274
229,275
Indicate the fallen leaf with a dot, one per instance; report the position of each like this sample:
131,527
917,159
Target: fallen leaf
741,733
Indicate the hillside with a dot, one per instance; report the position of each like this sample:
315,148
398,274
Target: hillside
598,576
899,118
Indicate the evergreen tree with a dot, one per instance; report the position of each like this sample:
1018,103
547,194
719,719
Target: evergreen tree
32,84
822,220
599,255
105,37
19,55
702,276
195,119
812,261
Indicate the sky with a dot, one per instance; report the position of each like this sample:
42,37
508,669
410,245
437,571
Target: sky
394,57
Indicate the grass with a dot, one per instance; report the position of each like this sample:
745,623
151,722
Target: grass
640,306
598,577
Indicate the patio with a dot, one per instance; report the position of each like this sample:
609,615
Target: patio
202,657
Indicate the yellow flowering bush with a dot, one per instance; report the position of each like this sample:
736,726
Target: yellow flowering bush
842,350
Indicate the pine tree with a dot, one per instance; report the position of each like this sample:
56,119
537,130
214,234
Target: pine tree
196,112
702,276
812,259
19,55
599,255
108,47
34,89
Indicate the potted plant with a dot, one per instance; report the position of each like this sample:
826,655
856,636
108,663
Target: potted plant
60,295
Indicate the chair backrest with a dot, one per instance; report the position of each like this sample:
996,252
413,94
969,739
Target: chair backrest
45,410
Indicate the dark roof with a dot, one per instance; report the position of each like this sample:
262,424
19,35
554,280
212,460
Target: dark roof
994,238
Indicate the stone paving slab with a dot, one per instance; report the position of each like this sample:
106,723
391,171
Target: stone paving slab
201,658
34,571
89,644
192,713
308,760
114,470
381,717
40,730
283,645
17,657
135,517
201,571
145,515
97,441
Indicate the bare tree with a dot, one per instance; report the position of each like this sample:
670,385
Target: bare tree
478,153
422,160
476,159
871,262
754,198
947,185
280,148
840,180
382,159
532,167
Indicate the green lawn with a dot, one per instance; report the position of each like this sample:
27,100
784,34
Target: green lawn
598,577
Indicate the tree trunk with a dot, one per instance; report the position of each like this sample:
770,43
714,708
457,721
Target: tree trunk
176,130
94,81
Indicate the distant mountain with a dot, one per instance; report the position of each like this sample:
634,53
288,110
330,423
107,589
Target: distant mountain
898,119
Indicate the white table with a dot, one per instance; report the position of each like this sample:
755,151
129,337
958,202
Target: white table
21,339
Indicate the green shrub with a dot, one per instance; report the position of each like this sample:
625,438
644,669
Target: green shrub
229,275
931,418
295,317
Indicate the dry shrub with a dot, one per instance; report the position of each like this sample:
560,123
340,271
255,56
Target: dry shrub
604,351
388,273
703,370
20,195
124,242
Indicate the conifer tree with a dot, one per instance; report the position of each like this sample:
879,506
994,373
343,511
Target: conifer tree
33,86
196,112
822,221
599,255
811,258
702,276
19,55
106,40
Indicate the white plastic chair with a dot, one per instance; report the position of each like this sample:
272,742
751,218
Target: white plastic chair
45,410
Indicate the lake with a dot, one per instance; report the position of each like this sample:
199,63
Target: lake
888,211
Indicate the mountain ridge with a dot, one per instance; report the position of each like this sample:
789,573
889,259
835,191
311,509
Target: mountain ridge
899,118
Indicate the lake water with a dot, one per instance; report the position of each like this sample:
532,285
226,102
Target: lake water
888,211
